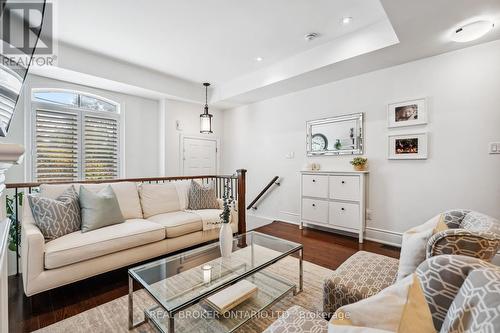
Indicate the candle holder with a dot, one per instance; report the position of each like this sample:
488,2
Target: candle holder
207,273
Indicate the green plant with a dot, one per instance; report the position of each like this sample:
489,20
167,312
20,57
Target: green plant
11,214
359,161
227,202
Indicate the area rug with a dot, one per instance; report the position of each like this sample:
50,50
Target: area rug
113,316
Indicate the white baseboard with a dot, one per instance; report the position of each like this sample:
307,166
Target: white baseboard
256,221
387,237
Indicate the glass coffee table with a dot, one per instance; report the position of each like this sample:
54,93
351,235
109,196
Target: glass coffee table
179,284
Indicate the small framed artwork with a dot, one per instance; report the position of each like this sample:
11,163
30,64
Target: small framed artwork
407,113
408,146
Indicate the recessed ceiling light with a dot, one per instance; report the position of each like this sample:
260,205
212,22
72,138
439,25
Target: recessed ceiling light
346,20
259,59
311,36
472,31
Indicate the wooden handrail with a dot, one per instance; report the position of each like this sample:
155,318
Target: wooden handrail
135,180
271,183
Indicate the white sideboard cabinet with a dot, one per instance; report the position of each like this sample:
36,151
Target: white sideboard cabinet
334,199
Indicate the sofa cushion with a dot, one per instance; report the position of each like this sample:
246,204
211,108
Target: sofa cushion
158,199
78,246
126,194
178,223
183,187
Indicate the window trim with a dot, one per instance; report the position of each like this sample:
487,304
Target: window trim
78,92
80,113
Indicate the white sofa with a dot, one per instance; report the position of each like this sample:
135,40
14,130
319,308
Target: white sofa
156,223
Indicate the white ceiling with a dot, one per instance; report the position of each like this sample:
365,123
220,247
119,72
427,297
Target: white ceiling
200,40
218,40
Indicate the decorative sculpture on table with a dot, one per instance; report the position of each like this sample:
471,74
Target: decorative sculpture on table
226,232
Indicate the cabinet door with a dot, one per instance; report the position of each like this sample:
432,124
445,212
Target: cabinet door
344,188
345,215
315,186
315,210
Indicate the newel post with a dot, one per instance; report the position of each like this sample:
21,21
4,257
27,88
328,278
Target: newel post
242,225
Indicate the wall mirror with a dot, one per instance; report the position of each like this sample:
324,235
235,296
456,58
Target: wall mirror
341,135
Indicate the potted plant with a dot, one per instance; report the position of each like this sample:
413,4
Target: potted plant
11,215
226,232
359,163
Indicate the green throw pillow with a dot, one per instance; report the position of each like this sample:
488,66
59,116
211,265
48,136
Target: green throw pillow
99,209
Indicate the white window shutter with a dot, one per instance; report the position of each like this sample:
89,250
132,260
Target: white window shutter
100,147
6,111
56,146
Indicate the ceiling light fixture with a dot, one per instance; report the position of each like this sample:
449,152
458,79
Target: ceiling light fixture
205,117
311,36
346,20
472,31
259,59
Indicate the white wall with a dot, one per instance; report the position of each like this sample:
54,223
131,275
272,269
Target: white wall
464,96
140,119
188,114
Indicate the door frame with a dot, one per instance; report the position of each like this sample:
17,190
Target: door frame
198,137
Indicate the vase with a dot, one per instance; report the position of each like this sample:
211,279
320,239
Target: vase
226,240
360,167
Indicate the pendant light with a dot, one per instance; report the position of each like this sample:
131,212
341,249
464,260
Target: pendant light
205,117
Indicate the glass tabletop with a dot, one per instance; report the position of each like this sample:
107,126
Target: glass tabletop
181,280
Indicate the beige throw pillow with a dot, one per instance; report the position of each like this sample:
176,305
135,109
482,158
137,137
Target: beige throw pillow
398,308
159,199
414,245
416,317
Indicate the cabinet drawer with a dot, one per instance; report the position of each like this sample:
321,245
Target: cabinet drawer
315,186
344,215
315,210
344,188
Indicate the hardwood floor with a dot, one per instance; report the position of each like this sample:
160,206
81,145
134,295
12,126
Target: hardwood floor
30,313
325,248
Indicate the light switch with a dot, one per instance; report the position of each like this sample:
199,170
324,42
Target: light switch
494,148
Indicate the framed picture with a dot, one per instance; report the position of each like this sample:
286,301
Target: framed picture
408,146
407,113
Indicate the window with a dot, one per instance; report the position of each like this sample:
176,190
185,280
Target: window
75,136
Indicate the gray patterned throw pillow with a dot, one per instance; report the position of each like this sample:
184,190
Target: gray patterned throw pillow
476,308
202,197
56,218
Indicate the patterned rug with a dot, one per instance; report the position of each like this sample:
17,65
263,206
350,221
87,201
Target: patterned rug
113,316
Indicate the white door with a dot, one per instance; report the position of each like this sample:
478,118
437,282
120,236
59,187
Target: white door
199,156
